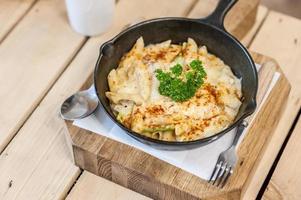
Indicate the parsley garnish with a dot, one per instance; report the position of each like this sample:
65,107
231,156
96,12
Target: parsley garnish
173,86
177,70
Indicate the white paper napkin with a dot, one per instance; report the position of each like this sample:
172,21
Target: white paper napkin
199,161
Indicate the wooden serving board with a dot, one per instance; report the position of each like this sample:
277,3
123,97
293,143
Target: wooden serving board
141,172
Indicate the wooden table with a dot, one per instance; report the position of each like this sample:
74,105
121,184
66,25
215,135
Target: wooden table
42,61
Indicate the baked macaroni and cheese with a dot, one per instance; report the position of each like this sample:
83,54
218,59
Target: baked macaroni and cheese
174,92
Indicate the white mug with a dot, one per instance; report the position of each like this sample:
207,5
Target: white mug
90,17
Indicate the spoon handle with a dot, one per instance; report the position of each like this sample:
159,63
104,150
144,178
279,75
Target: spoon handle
92,91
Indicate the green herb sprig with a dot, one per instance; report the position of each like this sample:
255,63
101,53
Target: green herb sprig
176,87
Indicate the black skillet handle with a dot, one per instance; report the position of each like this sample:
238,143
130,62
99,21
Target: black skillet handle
217,17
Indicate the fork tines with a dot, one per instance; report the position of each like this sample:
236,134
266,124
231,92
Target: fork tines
220,174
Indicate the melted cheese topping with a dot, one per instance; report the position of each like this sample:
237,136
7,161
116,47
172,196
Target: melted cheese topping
137,103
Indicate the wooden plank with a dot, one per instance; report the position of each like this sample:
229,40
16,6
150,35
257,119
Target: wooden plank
39,144
56,160
260,17
38,152
11,13
285,183
32,57
100,188
280,38
239,20
141,172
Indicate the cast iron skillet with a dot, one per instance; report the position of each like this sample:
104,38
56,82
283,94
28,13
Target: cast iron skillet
209,31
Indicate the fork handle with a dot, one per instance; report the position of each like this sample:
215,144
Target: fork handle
240,128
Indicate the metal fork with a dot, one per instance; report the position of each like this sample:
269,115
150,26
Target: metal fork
226,160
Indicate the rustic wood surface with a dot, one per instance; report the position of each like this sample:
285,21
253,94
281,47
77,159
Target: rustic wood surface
152,177
285,183
260,17
35,163
239,19
11,13
32,56
95,190
288,54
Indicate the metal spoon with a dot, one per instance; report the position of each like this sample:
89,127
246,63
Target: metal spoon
80,104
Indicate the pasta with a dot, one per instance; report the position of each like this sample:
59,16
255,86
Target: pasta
189,110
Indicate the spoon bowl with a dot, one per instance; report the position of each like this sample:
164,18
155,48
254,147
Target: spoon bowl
80,104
